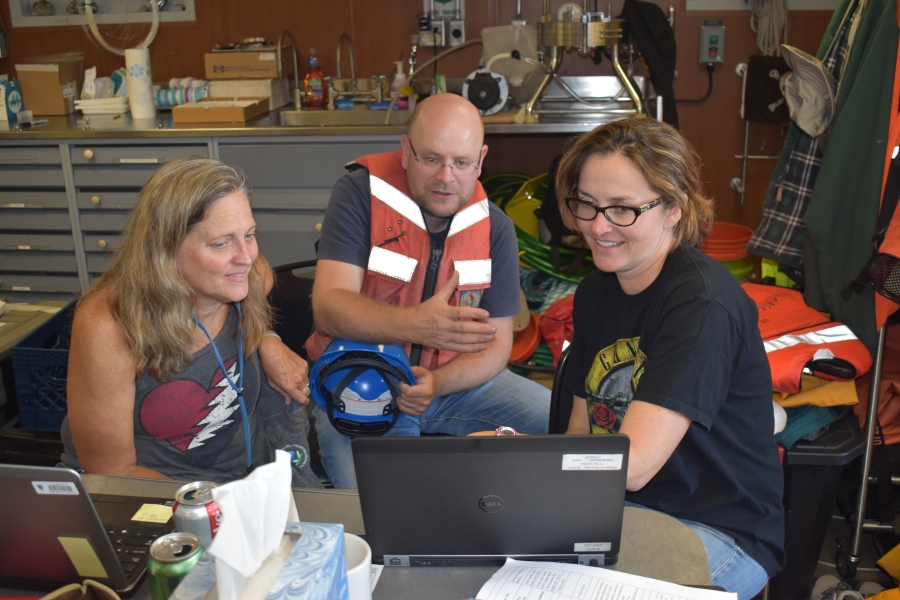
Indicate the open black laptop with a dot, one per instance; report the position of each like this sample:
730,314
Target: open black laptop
54,533
454,501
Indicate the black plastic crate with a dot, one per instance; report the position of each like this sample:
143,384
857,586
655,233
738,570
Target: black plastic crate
40,368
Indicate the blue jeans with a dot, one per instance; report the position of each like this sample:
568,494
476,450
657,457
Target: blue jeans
507,399
729,566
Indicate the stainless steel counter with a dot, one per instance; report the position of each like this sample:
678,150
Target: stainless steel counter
78,126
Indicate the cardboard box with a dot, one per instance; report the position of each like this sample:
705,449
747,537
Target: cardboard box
277,91
49,89
220,111
247,65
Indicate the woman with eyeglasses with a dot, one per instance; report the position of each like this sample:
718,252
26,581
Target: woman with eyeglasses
667,349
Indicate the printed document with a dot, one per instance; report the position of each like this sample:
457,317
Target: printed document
525,580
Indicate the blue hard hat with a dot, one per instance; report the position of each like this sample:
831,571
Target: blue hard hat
357,385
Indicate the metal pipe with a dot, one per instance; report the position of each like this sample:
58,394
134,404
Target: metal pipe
744,163
555,61
343,37
626,81
287,33
871,417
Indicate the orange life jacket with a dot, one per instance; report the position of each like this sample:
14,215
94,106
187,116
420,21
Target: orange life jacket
797,337
401,249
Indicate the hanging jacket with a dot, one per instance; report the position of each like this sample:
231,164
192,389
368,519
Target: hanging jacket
401,256
651,31
800,339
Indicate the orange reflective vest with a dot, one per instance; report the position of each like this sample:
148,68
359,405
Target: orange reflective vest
800,339
401,249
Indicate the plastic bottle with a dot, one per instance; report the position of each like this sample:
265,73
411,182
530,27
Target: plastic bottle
313,83
399,80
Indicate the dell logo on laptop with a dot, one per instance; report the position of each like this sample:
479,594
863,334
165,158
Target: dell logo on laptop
491,504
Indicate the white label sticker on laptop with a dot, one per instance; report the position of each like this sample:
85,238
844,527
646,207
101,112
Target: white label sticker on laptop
55,488
592,462
593,547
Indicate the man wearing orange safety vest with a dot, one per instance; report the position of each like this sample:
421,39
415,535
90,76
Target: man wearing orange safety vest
413,253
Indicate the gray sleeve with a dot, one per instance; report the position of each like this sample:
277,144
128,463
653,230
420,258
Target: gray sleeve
502,298
345,230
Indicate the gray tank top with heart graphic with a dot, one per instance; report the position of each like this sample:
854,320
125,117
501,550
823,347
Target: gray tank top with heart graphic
189,426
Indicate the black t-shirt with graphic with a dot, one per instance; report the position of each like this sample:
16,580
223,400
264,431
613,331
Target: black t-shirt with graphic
690,343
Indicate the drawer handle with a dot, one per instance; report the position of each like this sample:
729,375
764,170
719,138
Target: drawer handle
101,243
89,154
95,199
318,227
21,205
139,161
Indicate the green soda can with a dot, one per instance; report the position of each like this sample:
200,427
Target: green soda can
172,556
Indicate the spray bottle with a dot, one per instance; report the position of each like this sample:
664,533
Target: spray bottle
313,83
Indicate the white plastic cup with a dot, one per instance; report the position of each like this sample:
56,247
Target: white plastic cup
359,567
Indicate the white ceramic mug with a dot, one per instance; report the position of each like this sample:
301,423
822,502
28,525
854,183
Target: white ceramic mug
359,567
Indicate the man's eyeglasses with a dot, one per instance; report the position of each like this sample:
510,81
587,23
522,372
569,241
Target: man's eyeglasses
623,216
433,164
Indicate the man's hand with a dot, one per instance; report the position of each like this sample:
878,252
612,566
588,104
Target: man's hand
442,325
286,371
415,399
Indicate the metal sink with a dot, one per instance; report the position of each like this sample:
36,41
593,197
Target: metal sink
357,117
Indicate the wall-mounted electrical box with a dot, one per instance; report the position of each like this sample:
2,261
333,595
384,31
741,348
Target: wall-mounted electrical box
712,41
447,25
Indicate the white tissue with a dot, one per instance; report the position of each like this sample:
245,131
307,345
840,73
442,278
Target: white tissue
254,514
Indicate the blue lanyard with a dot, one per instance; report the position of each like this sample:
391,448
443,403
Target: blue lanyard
238,390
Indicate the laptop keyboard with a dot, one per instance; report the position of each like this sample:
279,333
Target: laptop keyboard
132,543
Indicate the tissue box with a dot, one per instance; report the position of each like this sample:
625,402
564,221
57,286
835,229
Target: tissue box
315,570
10,100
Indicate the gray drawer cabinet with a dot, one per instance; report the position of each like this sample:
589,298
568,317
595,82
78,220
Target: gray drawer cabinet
64,203
37,249
108,178
292,182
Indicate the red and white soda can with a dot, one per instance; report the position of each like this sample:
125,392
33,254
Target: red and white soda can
196,512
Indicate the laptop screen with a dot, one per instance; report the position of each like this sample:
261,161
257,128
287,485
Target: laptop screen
62,535
436,501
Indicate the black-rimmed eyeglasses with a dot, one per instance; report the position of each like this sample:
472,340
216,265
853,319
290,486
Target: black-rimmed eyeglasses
623,216
433,164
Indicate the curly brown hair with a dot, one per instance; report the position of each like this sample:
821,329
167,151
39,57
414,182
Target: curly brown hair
667,160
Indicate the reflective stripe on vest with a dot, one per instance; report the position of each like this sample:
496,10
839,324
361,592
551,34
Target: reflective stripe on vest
397,200
392,264
473,272
839,333
468,217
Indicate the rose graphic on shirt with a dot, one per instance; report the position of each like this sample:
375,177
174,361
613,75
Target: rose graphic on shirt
604,416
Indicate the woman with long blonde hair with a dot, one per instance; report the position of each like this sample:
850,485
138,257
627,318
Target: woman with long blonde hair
164,372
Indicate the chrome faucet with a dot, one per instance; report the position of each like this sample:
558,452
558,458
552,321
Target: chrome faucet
343,37
296,69
412,55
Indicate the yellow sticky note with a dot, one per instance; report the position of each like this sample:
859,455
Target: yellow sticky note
153,513
83,556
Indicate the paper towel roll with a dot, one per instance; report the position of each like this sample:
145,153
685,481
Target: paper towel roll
140,83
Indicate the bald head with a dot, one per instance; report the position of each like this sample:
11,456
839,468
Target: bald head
446,111
446,132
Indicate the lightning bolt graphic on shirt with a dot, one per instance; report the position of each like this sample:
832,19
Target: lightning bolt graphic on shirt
224,406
